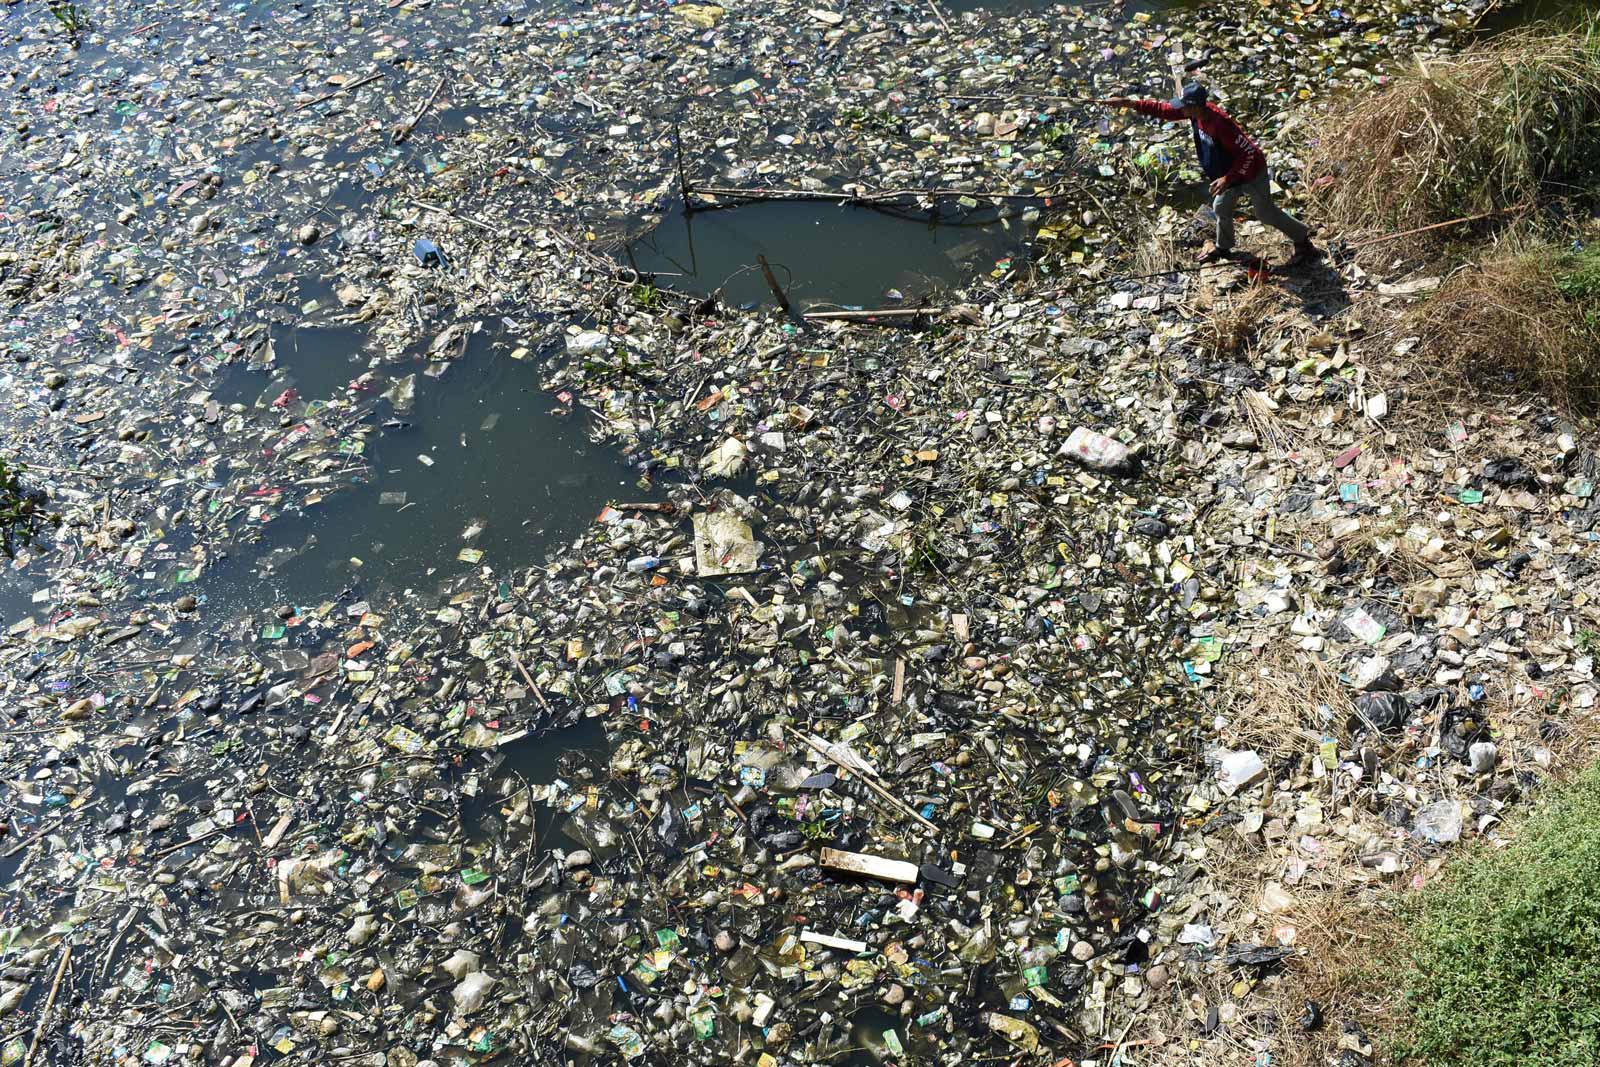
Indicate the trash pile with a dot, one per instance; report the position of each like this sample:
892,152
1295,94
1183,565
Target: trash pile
885,721
1402,652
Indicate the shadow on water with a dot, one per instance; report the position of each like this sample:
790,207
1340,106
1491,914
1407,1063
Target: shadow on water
826,252
535,760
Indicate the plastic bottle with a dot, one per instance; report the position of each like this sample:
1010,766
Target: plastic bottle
640,564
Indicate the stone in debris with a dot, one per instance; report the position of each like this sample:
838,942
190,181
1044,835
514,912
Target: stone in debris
1152,527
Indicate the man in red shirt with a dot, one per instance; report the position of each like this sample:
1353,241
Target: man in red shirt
1233,162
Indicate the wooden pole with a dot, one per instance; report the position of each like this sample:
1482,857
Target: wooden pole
866,780
683,180
772,283
879,313
1438,226
859,198
49,1003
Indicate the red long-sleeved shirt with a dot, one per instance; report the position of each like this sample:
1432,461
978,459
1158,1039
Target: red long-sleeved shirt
1248,159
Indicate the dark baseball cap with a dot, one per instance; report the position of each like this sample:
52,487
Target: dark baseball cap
1194,95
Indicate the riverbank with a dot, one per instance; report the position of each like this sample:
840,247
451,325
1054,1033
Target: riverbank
878,601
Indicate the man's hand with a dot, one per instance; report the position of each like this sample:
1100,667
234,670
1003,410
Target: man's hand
1219,185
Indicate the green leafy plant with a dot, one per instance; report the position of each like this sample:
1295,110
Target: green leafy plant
20,509
862,118
1578,279
1502,957
69,15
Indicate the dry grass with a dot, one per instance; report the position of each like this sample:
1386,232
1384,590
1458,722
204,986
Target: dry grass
1347,936
1156,241
1237,324
1512,122
1274,702
1512,324
1343,927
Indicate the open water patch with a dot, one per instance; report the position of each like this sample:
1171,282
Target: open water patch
483,468
831,253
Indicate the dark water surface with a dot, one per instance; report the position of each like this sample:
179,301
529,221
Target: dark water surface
485,461
827,253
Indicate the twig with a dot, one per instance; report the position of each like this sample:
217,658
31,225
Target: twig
405,131
346,87
1439,226
49,1003
772,283
207,836
683,182
870,784
459,218
526,677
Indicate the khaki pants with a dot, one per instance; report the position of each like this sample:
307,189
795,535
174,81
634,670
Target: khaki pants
1260,193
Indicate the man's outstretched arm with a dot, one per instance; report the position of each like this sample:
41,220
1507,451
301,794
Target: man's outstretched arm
1158,109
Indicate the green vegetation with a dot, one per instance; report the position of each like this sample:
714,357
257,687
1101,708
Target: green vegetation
646,296
19,509
1503,956
70,17
1511,124
1578,279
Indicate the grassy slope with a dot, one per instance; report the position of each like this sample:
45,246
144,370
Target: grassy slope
1504,954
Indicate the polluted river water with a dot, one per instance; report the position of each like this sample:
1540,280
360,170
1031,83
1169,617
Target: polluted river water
599,789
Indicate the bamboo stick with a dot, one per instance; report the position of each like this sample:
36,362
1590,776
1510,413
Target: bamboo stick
49,1003
345,88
